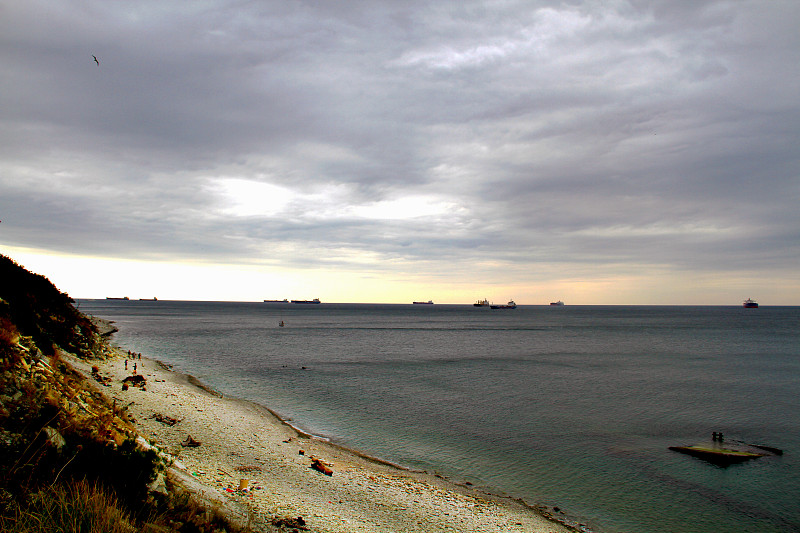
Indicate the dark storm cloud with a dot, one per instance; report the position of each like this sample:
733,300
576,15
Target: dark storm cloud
639,132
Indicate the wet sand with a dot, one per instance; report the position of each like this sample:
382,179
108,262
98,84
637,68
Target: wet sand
243,441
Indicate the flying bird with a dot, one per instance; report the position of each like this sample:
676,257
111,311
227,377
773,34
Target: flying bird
95,60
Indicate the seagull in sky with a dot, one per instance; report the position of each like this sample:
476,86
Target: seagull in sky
95,60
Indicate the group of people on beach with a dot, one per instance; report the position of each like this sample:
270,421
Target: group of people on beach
134,356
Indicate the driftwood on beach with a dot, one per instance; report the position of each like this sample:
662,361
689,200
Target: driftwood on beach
321,466
167,420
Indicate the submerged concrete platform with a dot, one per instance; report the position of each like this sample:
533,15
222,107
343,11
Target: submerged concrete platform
726,452
717,455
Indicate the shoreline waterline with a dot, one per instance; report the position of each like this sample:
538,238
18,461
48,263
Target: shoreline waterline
574,524
188,399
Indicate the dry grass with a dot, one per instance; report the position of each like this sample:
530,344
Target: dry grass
79,507
9,335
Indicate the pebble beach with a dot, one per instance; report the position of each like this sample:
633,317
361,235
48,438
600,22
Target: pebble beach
256,467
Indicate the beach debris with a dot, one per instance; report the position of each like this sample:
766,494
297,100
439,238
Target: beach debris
244,484
288,522
167,420
248,468
102,380
137,380
321,466
190,442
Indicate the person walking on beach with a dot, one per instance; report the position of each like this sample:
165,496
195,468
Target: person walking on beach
126,364
134,368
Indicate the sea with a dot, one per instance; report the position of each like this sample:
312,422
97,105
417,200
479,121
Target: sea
568,406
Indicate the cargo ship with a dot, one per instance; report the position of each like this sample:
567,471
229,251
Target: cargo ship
510,305
482,303
557,303
750,304
314,301
429,302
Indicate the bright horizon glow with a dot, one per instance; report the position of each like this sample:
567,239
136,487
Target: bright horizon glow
98,278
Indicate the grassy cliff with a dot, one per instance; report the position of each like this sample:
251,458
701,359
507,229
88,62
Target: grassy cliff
69,461
37,309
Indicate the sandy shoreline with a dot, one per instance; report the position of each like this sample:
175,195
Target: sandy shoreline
244,441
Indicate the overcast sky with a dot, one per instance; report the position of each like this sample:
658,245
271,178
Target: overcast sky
603,151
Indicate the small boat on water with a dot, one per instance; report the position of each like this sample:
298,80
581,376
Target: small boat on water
482,303
429,302
750,304
557,303
314,301
510,305
281,324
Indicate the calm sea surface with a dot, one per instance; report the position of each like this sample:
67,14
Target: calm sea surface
573,406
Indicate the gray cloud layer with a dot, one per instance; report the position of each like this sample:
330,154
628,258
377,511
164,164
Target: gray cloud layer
637,133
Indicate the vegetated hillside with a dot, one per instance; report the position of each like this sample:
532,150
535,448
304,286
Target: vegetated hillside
69,460
40,311
53,425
